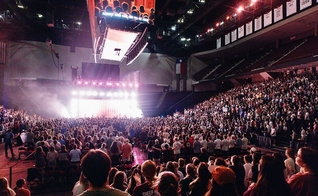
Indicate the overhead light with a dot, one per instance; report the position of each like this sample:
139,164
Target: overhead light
180,20
190,11
40,15
20,5
201,1
173,28
182,39
240,9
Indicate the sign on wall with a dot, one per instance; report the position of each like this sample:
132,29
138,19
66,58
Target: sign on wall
218,43
249,27
258,23
304,4
278,13
227,39
241,31
268,18
234,35
291,7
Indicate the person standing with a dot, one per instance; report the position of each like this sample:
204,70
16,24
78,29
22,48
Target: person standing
176,148
148,170
5,190
20,190
126,151
97,176
304,183
8,139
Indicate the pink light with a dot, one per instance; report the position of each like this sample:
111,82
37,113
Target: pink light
130,84
240,9
79,82
217,24
100,83
86,83
109,84
117,84
136,85
124,84
94,83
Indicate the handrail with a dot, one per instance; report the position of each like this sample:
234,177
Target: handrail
10,168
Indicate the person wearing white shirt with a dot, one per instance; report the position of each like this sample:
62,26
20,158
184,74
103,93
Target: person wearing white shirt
217,144
247,167
75,155
244,143
176,147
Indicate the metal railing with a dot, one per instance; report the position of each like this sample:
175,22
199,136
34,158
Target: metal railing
10,168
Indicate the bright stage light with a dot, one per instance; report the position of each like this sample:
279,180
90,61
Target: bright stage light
74,92
101,94
95,93
89,93
109,94
82,93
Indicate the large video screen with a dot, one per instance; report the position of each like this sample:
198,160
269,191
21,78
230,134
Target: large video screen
144,10
97,71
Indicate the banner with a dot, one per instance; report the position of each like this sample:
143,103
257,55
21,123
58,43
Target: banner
227,39
278,13
180,66
249,27
241,32
304,4
291,7
218,43
258,23
268,19
233,35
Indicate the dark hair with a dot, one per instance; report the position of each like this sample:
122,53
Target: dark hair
310,157
220,161
114,148
95,166
168,184
271,179
202,183
4,187
132,183
20,183
290,152
190,170
227,189
181,162
119,181
112,174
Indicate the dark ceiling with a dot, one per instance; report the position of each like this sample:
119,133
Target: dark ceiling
29,19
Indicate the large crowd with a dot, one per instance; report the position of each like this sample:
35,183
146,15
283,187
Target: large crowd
203,150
